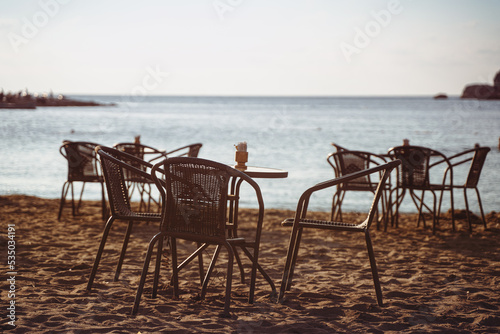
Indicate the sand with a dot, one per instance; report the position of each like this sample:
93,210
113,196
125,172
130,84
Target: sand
448,282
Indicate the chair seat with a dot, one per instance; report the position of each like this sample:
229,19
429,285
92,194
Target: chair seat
143,216
325,224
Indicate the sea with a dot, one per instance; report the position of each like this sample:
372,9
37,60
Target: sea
288,133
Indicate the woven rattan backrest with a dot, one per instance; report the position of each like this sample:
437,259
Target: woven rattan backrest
117,167
82,162
414,170
115,183
346,162
196,197
476,167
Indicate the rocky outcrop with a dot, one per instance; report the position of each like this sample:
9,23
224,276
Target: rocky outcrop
440,96
483,91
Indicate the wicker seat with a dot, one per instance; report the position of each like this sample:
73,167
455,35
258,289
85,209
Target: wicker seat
476,157
420,171
345,162
82,167
195,208
300,222
115,165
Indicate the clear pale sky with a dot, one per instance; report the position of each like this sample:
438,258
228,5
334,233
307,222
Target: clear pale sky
248,47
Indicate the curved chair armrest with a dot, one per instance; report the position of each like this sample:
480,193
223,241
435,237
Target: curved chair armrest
109,152
461,154
159,182
183,148
343,179
260,200
162,155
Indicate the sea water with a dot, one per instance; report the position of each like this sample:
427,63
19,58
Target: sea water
290,133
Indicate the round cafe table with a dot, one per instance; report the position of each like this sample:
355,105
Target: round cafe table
263,172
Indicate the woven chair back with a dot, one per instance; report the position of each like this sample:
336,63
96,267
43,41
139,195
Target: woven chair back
476,167
118,168
196,197
82,162
414,170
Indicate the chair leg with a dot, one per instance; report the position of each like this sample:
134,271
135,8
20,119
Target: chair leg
229,280
107,228
144,273
262,271
481,207
240,266
399,200
420,208
64,193
452,210
200,263
337,199
80,199
175,268
73,208
209,272
373,265
124,250
157,267
103,203
435,217
294,258
467,210
286,279
190,258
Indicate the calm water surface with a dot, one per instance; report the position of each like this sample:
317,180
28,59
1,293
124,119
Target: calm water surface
288,133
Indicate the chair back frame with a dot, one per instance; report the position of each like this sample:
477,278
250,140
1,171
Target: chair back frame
117,167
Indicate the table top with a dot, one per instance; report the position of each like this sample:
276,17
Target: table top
264,172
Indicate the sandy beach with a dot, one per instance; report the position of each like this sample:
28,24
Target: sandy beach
443,283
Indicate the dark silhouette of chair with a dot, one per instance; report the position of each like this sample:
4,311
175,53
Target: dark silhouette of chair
82,167
115,165
476,157
196,194
420,170
345,162
300,222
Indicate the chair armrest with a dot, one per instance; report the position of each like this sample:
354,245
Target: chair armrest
181,148
344,179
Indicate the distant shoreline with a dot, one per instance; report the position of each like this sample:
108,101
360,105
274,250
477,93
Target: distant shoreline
23,100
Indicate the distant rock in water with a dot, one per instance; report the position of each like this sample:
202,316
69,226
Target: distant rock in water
483,91
24,100
440,96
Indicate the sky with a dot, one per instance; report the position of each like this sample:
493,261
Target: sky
248,47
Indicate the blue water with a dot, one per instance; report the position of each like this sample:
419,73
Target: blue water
291,133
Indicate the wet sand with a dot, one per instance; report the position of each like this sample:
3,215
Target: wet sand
448,282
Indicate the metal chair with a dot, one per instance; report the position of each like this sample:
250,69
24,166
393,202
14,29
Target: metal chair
300,222
476,157
195,196
82,167
345,162
420,170
115,165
